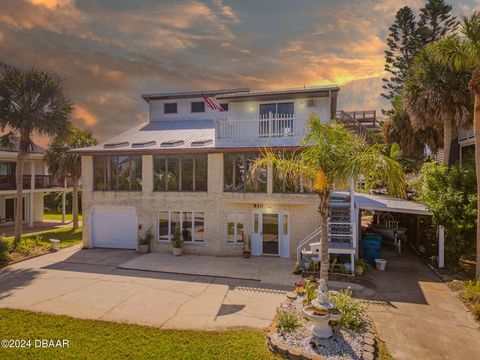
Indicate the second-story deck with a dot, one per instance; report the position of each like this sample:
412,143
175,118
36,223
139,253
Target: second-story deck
258,130
7,182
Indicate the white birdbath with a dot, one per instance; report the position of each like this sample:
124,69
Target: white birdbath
321,311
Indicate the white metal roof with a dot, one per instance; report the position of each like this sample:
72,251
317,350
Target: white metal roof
154,133
384,203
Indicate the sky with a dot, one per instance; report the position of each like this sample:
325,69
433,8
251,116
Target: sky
111,51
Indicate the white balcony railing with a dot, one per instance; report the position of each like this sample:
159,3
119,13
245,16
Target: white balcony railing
259,128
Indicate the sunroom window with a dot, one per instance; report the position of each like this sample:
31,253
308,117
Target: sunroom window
117,173
238,176
180,172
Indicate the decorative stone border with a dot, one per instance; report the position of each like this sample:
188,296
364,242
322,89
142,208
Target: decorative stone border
369,351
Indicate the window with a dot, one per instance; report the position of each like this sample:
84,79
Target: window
235,227
117,173
170,108
281,109
224,106
198,106
284,185
180,172
191,225
278,119
237,174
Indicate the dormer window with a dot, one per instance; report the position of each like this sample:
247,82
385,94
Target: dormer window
170,108
198,106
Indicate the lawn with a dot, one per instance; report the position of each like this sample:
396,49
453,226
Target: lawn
68,217
108,340
39,243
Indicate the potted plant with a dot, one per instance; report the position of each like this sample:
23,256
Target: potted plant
177,242
361,267
143,246
246,248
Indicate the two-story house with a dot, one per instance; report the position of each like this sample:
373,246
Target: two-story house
36,183
188,169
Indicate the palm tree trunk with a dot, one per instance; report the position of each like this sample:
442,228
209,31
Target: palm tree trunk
75,203
323,209
447,137
19,202
476,132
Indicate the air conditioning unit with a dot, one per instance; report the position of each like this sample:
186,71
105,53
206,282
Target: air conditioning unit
310,103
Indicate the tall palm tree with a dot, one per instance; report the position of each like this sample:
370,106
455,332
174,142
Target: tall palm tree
32,103
333,155
462,51
63,164
436,95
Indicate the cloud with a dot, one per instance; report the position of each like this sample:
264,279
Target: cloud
82,114
110,52
226,10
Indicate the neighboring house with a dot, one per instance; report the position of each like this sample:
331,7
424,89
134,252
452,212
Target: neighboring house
36,182
188,169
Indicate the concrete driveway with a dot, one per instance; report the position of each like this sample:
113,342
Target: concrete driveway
88,284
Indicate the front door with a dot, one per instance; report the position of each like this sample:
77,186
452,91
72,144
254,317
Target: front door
270,238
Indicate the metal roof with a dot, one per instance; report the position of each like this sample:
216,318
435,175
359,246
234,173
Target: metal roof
157,132
191,94
308,90
390,204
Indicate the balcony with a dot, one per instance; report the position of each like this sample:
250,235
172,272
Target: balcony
465,136
258,130
7,182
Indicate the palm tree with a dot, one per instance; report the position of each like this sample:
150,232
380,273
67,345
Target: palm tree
462,52
32,103
62,163
332,155
436,96
397,128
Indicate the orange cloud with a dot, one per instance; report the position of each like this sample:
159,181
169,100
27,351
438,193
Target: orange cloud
82,114
51,4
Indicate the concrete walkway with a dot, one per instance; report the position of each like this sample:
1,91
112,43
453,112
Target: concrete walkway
269,270
88,284
417,315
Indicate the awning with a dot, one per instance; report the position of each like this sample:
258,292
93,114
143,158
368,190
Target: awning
384,203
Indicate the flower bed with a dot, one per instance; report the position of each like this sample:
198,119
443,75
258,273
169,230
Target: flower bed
290,335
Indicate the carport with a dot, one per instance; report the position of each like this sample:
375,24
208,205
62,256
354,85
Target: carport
378,203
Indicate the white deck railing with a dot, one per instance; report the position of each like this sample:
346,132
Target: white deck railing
258,126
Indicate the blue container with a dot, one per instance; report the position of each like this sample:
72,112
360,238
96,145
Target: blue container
371,248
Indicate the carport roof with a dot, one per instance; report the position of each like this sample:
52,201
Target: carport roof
384,203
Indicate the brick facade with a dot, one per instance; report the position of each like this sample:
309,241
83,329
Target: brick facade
215,204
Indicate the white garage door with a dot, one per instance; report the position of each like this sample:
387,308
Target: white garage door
114,228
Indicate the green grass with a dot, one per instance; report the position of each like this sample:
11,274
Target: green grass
39,243
106,340
471,295
68,217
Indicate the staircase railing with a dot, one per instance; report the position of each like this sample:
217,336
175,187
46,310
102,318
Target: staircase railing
353,124
306,241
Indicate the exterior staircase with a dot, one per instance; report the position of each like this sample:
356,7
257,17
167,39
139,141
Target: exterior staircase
341,231
361,122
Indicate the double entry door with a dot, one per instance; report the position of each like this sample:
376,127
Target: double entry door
270,234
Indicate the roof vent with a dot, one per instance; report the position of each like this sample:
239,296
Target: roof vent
143,144
116,145
172,143
200,143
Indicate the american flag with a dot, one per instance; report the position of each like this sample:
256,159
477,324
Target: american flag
212,104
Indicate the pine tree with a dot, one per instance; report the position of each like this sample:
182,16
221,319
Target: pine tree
436,21
403,43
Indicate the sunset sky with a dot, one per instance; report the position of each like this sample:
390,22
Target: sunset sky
112,51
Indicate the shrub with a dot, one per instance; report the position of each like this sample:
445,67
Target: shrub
288,321
4,250
310,292
354,316
471,291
